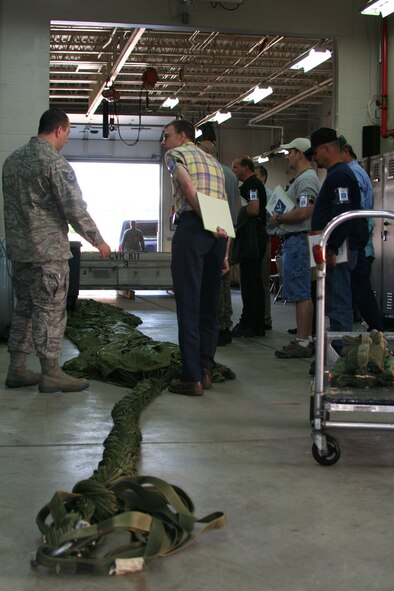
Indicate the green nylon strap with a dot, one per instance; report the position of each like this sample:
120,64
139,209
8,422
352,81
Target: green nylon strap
111,349
158,519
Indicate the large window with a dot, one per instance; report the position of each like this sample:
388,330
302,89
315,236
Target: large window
115,192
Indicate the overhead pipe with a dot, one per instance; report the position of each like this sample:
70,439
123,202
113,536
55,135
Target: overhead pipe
384,100
291,101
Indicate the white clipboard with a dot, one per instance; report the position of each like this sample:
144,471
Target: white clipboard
279,202
314,238
214,213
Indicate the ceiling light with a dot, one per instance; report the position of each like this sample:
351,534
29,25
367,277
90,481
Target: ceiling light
313,59
198,133
170,102
258,94
220,117
261,159
377,7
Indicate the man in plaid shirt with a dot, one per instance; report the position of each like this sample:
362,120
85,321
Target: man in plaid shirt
198,256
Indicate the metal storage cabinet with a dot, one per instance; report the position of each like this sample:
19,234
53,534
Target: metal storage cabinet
387,242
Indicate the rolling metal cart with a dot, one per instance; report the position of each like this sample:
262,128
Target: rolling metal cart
326,400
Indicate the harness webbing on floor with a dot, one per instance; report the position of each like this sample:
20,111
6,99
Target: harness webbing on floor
115,521
157,518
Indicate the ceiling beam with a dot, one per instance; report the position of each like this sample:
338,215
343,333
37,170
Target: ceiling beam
108,79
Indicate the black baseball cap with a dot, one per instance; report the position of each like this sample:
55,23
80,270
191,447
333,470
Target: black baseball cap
343,143
324,135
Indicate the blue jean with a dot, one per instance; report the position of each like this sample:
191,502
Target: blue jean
296,269
339,295
197,258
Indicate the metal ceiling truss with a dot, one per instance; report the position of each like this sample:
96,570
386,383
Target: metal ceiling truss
206,71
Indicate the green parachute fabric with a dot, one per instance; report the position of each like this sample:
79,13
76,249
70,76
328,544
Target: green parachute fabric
112,349
156,517
366,362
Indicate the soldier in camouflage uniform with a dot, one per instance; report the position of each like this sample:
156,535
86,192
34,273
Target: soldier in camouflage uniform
225,310
41,197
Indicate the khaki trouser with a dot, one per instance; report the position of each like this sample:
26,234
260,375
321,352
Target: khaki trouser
40,315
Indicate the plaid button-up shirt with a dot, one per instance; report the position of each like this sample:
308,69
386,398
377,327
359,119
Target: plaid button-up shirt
205,172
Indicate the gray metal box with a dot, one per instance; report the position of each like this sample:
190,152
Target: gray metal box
126,270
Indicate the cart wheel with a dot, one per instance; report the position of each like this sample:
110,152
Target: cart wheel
333,452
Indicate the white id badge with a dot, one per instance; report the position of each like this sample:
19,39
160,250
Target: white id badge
303,201
253,195
343,195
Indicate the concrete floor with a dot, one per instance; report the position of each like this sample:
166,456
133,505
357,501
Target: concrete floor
243,448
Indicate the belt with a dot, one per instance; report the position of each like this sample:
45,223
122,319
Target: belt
285,236
189,213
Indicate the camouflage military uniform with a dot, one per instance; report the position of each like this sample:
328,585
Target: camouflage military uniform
233,197
225,311
41,197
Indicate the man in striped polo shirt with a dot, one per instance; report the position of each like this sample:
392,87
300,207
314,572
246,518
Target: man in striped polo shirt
198,256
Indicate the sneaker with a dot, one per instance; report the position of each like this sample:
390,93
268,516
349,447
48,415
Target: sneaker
294,350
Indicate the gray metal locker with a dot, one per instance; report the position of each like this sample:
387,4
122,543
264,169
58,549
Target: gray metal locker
376,175
387,241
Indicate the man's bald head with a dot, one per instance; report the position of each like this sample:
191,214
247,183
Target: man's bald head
208,147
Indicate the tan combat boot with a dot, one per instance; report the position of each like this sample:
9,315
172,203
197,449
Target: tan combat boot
53,379
18,375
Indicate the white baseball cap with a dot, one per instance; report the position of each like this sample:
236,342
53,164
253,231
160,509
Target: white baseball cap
299,143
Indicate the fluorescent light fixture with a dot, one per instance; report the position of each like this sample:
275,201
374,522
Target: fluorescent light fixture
377,7
170,102
258,94
313,59
261,159
198,132
220,117
285,152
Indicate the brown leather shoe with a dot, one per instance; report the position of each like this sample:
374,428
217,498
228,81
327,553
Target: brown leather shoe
206,379
186,388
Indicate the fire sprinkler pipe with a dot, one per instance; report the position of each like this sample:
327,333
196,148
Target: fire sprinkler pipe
384,101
